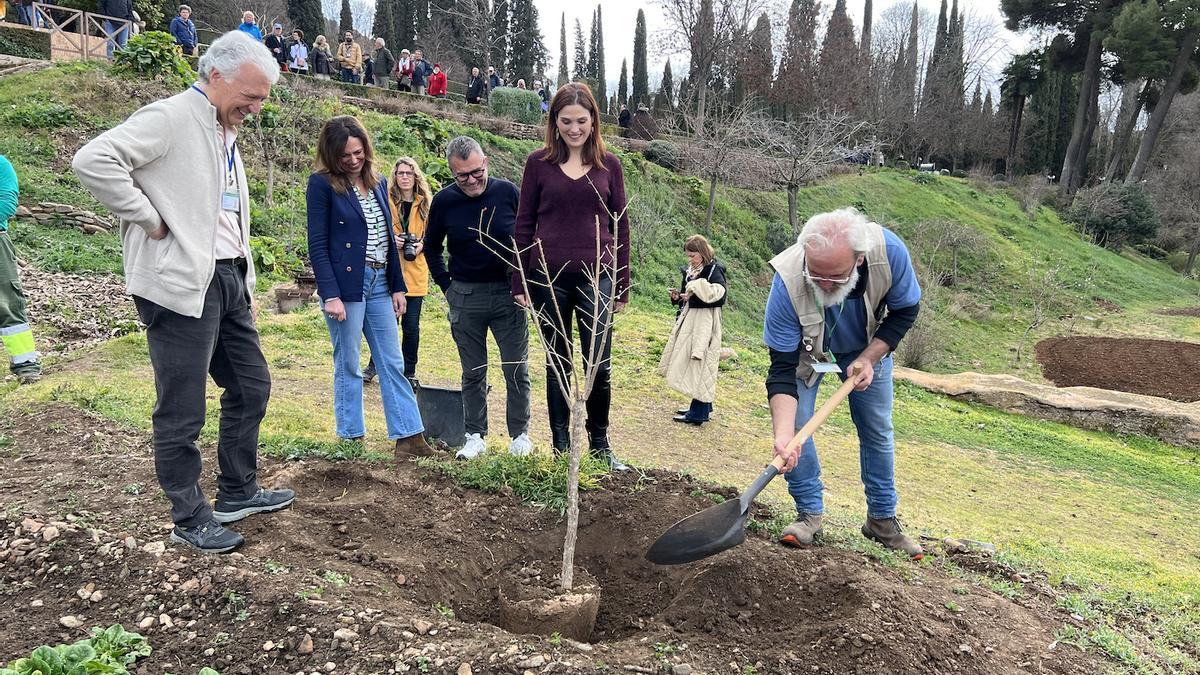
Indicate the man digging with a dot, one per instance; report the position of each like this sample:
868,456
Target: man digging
843,295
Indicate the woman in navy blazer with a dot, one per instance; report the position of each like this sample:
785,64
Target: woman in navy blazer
360,282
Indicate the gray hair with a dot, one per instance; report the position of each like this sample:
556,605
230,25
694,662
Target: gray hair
234,49
462,147
825,231
183,7
381,41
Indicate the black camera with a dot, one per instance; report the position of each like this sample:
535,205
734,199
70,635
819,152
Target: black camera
410,246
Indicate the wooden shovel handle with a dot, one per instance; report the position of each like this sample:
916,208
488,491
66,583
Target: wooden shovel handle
818,418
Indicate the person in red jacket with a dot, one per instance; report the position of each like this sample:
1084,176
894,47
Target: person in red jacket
437,82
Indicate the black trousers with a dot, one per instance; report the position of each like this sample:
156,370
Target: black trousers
410,335
184,351
575,297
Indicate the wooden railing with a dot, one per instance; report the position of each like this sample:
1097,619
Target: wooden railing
79,34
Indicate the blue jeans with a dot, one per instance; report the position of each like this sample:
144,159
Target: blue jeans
374,319
349,76
29,16
871,411
121,36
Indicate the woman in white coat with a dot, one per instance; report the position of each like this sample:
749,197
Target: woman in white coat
693,352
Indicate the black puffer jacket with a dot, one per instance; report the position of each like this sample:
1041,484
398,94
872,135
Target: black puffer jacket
714,272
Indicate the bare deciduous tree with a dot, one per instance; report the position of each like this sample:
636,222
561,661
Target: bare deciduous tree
720,141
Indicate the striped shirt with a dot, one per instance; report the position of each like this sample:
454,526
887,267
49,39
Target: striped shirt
377,231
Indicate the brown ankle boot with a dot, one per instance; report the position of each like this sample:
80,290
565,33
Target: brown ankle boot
887,531
412,447
803,531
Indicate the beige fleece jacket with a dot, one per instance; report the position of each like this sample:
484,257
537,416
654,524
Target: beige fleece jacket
166,164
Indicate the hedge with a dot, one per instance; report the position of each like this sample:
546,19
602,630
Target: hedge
522,105
24,42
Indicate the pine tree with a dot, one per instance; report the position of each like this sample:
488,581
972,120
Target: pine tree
623,87
500,39
581,62
838,81
794,85
383,24
306,15
664,100
759,61
600,88
564,74
641,81
347,19
527,49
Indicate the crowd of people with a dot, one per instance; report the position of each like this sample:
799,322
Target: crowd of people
844,294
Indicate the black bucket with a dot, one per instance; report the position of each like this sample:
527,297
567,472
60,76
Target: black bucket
442,413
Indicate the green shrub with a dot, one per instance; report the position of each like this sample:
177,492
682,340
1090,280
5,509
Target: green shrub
1151,251
272,258
27,44
154,55
901,165
1115,214
924,178
779,236
521,105
665,154
959,173
40,115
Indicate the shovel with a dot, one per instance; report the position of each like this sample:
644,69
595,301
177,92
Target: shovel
723,526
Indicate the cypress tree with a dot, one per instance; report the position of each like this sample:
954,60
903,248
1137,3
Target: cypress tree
640,92
838,81
564,74
664,100
581,62
500,38
527,50
759,62
383,23
622,87
421,11
306,15
600,88
347,22
794,85
865,44
404,26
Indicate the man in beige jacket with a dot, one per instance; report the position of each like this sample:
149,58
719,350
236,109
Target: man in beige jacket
173,175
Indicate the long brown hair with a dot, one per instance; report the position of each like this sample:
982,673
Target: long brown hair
556,150
697,243
332,143
420,186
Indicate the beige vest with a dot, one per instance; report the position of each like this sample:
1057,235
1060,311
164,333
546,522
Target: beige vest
790,266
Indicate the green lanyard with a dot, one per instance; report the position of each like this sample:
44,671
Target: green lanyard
841,308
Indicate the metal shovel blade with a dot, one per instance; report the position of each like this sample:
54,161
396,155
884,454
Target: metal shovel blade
700,535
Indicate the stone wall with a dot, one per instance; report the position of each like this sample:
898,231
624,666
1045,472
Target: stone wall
64,215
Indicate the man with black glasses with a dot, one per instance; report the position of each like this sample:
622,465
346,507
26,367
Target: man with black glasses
474,218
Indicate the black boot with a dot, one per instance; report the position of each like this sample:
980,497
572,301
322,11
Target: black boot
560,438
601,450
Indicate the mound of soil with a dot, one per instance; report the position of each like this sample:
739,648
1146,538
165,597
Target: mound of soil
379,569
1180,311
1151,367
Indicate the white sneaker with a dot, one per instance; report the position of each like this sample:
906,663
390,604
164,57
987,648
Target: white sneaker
473,448
520,446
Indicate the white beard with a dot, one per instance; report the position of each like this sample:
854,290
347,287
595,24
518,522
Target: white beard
836,296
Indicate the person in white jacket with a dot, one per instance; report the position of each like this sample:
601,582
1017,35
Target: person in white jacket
173,175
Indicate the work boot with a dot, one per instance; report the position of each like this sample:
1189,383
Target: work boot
211,537
802,532
560,440
601,450
263,501
369,371
412,447
887,531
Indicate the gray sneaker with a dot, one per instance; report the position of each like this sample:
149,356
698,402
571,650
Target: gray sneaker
211,537
887,531
803,531
263,501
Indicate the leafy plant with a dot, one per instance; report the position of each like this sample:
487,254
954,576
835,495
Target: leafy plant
336,579
445,610
154,55
432,132
40,115
522,105
272,258
109,650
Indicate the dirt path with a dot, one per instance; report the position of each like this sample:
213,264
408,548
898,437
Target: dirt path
377,570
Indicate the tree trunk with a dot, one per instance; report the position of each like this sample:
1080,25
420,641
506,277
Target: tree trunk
1014,134
1192,253
1126,121
1154,126
701,99
712,201
578,434
1075,163
793,197
270,182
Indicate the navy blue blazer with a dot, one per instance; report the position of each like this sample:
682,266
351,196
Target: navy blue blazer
337,240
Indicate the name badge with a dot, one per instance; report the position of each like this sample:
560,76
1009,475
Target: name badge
823,367
231,201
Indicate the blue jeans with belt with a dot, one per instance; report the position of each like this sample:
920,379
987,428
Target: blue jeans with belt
871,411
375,319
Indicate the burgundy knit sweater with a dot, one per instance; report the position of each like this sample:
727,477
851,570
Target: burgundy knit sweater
562,214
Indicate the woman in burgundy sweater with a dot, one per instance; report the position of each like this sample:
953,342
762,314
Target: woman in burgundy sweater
573,193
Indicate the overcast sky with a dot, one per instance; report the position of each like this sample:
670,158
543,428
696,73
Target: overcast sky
620,18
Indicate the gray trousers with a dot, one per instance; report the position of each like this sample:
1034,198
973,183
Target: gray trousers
475,308
184,352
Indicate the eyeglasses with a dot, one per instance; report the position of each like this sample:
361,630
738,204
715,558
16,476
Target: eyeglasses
405,174
813,277
466,176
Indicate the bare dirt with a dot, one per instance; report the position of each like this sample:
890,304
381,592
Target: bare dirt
379,569
1180,311
1152,367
